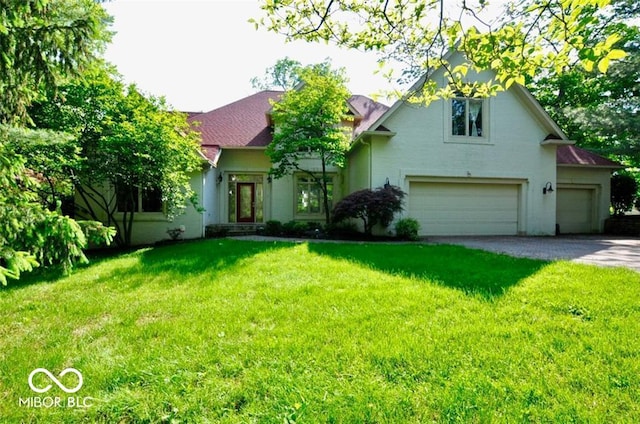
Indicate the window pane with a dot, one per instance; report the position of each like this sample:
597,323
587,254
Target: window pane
232,202
475,118
152,200
458,116
127,198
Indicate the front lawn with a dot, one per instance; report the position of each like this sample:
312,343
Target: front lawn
234,331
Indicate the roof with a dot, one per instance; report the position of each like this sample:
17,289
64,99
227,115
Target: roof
239,124
244,123
575,156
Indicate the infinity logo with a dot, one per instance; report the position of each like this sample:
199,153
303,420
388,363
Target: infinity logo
55,380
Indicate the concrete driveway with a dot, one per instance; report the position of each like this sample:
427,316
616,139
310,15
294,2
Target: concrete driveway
598,250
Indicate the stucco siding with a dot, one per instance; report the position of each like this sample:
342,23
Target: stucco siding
509,149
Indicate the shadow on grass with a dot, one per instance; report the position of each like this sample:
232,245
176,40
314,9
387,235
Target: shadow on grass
190,258
472,271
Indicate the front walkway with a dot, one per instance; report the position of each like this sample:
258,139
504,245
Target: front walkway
598,249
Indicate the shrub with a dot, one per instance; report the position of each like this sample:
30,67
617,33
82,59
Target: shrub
407,229
215,231
371,206
345,230
295,228
623,193
273,228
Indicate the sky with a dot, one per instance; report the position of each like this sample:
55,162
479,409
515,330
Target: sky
201,55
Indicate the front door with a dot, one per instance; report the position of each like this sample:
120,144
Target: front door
246,202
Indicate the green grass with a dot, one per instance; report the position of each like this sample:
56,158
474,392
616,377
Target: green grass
230,331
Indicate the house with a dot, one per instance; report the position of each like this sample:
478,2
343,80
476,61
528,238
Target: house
496,166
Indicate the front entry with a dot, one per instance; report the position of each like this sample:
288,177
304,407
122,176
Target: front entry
246,202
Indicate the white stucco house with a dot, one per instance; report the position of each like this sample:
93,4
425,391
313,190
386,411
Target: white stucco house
495,166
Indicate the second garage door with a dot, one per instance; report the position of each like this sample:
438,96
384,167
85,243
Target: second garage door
464,209
574,210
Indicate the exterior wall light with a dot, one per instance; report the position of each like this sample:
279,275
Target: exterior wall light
219,179
548,188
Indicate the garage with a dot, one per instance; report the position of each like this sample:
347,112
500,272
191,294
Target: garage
454,208
575,210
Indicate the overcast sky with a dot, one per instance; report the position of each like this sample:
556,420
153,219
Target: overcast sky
202,54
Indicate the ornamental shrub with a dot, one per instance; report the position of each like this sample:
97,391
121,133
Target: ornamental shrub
407,229
371,206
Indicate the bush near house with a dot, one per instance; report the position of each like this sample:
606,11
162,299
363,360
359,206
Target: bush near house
371,206
407,229
624,190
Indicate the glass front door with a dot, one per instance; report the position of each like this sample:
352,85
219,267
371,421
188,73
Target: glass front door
246,202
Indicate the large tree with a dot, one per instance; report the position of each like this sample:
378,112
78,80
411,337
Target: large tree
309,125
131,145
528,37
41,42
600,112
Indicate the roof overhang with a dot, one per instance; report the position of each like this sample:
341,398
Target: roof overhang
557,142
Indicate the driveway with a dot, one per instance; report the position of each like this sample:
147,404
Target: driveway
598,250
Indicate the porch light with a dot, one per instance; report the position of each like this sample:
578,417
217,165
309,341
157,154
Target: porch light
269,179
219,179
548,188
386,183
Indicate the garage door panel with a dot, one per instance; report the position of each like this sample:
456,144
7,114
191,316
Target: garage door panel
574,210
465,209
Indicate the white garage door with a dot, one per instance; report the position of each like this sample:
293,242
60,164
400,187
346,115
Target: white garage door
574,210
464,209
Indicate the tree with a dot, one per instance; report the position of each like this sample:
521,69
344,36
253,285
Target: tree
623,193
43,42
309,124
131,145
531,36
371,206
284,75
600,112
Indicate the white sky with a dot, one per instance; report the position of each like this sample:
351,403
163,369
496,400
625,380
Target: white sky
201,55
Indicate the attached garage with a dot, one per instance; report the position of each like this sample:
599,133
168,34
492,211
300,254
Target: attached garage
576,210
464,208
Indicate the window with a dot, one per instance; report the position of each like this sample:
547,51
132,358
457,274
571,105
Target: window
132,199
309,197
466,117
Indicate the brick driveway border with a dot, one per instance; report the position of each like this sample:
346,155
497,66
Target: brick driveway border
597,249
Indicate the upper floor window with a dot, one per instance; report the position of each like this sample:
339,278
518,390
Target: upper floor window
132,199
467,117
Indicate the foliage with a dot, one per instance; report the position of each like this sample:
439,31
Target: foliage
273,228
284,75
295,228
408,229
371,206
43,42
229,330
309,125
624,189
343,230
530,36
30,234
599,111
52,157
128,140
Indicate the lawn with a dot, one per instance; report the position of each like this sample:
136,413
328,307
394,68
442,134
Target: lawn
233,331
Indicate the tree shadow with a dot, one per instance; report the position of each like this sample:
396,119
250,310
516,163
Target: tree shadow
474,272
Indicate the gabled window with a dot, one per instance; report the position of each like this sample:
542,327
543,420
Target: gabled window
132,199
467,117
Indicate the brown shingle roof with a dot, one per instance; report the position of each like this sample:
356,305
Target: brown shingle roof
244,123
573,155
239,124
370,111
